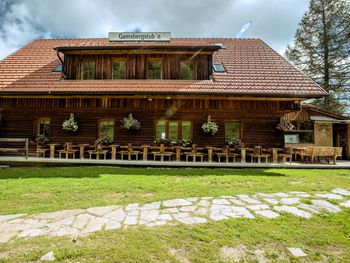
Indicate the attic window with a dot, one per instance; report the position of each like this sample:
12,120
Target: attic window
218,68
58,68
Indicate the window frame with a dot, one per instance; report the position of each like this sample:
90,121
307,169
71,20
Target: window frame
99,127
194,69
126,68
179,128
81,69
37,130
155,60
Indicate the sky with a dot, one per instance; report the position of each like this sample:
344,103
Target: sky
274,21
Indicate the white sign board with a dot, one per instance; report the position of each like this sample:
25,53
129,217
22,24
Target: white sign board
139,36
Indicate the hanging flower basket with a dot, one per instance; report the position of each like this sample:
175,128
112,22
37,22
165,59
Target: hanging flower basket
130,123
210,127
70,125
285,126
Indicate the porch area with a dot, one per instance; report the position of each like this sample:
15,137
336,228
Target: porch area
39,161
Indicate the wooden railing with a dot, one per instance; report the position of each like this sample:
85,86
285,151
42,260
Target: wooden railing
10,141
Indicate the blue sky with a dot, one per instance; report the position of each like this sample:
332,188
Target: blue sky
274,21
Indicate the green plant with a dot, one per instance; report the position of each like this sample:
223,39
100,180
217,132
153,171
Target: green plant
129,123
41,139
103,140
185,142
70,124
210,127
162,140
234,142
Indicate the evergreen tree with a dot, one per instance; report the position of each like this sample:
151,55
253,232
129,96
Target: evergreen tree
322,50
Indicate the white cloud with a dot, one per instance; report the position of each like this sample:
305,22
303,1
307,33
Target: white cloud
274,21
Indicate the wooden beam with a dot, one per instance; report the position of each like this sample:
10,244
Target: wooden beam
184,97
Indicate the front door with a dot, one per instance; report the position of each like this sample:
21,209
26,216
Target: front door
339,137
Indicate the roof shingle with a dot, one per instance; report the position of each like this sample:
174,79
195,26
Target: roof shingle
252,69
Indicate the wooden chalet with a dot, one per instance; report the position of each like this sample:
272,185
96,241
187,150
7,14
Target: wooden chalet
170,86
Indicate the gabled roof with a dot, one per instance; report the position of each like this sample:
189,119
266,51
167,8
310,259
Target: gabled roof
253,69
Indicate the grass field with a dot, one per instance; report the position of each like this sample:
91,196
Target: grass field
326,238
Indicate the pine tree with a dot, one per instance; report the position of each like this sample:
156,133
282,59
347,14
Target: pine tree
322,50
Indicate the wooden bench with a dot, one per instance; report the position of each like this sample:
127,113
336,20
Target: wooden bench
10,141
329,153
162,153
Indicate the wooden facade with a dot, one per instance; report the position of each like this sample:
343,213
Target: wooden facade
251,88
137,64
257,118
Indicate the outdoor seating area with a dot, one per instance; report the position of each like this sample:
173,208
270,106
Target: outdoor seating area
193,153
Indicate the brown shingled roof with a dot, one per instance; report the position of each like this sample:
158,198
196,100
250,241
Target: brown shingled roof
252,69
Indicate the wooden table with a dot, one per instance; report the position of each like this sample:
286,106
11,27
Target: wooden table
298,150
244,153
52,149
274,153
81,149
210,153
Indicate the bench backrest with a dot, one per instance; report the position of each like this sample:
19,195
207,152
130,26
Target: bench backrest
8,148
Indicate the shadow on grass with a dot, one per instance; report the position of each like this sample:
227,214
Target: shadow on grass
96,172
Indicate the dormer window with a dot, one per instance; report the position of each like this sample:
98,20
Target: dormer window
187,70
219,68
154,69
119,70
87,70
58,68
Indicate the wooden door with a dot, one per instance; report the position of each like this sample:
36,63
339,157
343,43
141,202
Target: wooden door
323,134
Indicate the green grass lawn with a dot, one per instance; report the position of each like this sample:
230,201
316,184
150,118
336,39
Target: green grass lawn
326,238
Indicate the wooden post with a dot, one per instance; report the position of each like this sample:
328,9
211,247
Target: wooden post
27,143
52,151
275,155
243,153
178,153
145,152
210,154
348,142
114,151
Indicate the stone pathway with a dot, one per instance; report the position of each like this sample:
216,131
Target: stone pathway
192,210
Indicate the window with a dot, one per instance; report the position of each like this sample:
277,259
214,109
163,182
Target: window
186,70
174,130
186,130
43,127
232,130
119,70
154,69
58,68
106,129
160,129
87,70
218,68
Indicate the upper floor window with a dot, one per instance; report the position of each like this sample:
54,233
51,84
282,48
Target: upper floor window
218,68
154,69
87,70
43,127
186,70
119,70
